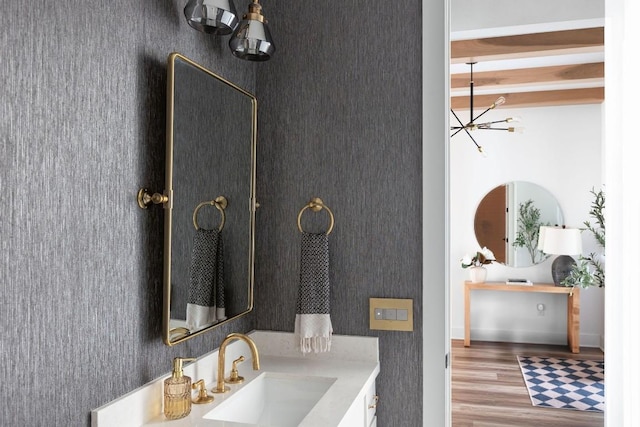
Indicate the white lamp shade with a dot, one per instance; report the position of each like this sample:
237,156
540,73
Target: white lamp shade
560,241
541,234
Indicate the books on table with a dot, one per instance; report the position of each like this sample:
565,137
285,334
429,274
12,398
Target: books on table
524,282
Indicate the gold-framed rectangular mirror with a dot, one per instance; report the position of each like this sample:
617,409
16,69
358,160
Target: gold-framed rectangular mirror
209,220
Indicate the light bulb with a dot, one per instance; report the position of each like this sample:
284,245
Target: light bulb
499,101
512,119
518,129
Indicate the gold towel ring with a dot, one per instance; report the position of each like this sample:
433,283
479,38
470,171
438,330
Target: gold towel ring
316,205
220,203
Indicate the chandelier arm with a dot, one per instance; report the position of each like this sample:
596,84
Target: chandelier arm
459,121
456,116
492,123
474,141
484,112
466,130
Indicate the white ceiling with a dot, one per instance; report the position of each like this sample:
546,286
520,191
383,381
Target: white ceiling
468,16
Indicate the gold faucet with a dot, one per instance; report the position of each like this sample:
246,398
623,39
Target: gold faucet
220,387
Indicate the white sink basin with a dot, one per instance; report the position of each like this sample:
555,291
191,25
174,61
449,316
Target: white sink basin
272,399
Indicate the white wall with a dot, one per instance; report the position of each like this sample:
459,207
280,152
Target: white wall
559,150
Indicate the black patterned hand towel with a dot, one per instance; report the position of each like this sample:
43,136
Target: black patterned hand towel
313,323
206,286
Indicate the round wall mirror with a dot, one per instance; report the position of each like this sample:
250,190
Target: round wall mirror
508,221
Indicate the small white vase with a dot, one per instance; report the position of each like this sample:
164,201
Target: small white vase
477,274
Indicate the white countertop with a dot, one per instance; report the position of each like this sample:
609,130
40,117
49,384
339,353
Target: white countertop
353,361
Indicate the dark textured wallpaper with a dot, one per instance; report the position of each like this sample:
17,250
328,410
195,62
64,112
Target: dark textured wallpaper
82,128
340,119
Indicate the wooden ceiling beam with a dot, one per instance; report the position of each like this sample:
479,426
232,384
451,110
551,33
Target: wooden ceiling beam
533,99
527,45
531,76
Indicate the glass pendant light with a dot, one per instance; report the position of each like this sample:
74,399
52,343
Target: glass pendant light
252,40
212,16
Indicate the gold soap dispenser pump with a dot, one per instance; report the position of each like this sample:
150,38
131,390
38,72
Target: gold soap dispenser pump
177,391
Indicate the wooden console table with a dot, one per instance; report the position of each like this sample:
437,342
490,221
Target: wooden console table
573,306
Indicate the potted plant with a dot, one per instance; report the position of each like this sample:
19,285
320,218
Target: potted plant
475,264
589,270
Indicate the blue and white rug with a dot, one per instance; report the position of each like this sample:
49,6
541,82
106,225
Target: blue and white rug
564,383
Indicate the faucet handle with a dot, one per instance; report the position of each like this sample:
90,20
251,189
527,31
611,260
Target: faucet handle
203,396
234,378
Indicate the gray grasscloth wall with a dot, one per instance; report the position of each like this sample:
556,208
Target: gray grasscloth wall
340,119
82,128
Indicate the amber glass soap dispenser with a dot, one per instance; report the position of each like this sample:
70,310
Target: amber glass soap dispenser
177,391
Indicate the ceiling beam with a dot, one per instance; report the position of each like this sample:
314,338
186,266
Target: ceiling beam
528,45
531,76
533,99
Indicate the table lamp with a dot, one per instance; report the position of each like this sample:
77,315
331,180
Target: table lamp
563,242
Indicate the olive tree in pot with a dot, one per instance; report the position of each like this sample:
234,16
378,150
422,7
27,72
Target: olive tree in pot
589,270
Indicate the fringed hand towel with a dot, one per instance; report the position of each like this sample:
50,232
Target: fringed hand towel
313,323
206,287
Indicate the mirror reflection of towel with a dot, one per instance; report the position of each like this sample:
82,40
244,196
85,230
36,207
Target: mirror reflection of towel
206,287
313,323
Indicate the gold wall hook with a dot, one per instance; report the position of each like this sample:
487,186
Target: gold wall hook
145,198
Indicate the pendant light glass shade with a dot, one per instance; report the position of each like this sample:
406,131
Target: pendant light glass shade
252,40
212,16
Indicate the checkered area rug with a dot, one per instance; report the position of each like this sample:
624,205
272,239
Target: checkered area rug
564,383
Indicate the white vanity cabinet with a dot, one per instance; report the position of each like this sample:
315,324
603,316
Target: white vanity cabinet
363,410
351,366
371,402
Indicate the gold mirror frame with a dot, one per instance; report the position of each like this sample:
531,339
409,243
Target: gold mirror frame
171,333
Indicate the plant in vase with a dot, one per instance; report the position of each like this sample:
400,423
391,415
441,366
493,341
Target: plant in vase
580,275
475,264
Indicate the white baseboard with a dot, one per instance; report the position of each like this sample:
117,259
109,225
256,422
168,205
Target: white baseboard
533,337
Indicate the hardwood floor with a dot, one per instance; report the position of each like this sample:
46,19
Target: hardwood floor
487,388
